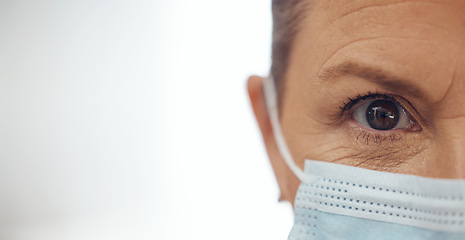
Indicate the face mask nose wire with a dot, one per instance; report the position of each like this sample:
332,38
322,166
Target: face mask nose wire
272,106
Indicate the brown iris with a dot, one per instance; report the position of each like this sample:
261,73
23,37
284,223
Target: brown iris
382,115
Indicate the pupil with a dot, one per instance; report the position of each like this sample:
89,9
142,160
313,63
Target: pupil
382,115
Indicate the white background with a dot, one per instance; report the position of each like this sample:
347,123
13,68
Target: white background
130,120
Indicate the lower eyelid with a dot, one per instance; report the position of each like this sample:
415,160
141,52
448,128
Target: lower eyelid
365,135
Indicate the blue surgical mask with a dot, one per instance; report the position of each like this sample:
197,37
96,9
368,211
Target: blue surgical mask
336,201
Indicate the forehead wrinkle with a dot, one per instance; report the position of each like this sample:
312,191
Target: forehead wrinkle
373,74
344,46
363,8
347,44
393,4
353,29
316,34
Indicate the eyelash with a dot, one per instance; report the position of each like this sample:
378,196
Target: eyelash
348,104
364,135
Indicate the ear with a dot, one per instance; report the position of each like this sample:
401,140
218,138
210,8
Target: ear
287,181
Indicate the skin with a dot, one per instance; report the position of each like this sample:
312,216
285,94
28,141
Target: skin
411,50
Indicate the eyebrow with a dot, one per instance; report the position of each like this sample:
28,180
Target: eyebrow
376,75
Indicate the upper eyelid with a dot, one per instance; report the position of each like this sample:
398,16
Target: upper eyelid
364,98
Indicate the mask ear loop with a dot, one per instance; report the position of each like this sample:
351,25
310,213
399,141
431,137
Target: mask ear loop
272,106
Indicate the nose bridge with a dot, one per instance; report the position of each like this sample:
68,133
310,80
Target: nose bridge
451,105
450,123
451,134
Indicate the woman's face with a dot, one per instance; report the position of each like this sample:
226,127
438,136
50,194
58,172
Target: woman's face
374,84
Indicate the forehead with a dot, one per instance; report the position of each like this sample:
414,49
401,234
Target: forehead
419,40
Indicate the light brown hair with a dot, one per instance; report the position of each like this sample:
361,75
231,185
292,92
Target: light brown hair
287,16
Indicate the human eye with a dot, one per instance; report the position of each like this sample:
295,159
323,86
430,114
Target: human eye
380,114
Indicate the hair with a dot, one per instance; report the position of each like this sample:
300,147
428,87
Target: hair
287,16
